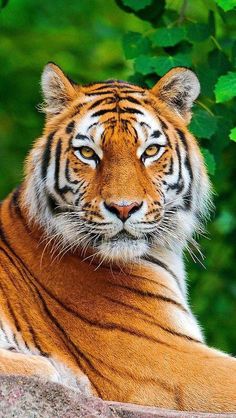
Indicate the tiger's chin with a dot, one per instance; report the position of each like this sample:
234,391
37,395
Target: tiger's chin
123,249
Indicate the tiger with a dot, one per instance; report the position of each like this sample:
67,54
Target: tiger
93,291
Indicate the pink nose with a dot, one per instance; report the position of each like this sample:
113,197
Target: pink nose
123,212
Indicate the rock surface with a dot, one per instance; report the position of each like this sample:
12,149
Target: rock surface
21,397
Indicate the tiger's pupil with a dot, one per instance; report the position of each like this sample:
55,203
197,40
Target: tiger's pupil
151,151
87,152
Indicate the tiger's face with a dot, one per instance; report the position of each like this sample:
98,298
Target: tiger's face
116,169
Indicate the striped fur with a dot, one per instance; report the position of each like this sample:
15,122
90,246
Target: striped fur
89,298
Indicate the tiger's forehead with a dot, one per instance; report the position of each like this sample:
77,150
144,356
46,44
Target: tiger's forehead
118,112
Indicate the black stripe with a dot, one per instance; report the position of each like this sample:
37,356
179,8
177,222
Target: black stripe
65,189
152,295
117,110
131,110
82,137
15,205
179,185
100,93
152,322
11,310
132,100
70,127
188,196
164,266
187,161
103,87
48,312
134,91
67,173
97,103
104,111
112,83
171,167
47,155
9,307
156,134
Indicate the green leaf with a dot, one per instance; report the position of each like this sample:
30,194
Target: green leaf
226,5
212,23
234,54
219,62
233,134
152,12
160,65
137,4
4,3
225,88
207,77
167,36
203,124
135,44
197,32
209,160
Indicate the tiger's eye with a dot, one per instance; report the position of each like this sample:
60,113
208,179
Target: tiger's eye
87,152
151,151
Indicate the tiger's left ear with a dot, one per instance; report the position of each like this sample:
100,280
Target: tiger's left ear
178,89
58,90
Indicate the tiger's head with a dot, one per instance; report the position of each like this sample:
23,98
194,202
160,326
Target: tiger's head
116,169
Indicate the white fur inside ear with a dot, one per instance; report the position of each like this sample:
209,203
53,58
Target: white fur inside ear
188,86
178,89
55,94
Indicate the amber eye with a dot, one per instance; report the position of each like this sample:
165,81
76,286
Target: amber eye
151,151
87,152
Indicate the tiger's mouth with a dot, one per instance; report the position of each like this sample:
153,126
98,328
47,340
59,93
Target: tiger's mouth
123,246
124,236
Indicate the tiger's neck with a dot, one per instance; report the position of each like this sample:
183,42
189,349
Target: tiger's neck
158,280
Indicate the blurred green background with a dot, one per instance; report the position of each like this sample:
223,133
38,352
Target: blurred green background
95,40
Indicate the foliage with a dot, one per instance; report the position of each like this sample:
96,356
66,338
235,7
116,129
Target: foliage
84,38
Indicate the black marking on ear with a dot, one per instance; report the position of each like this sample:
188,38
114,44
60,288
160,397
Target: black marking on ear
70,127
168,86
47,155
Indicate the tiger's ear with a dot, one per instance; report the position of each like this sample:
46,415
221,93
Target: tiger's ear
57,90
178,89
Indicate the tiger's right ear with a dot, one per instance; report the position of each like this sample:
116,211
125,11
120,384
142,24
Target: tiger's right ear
57,90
